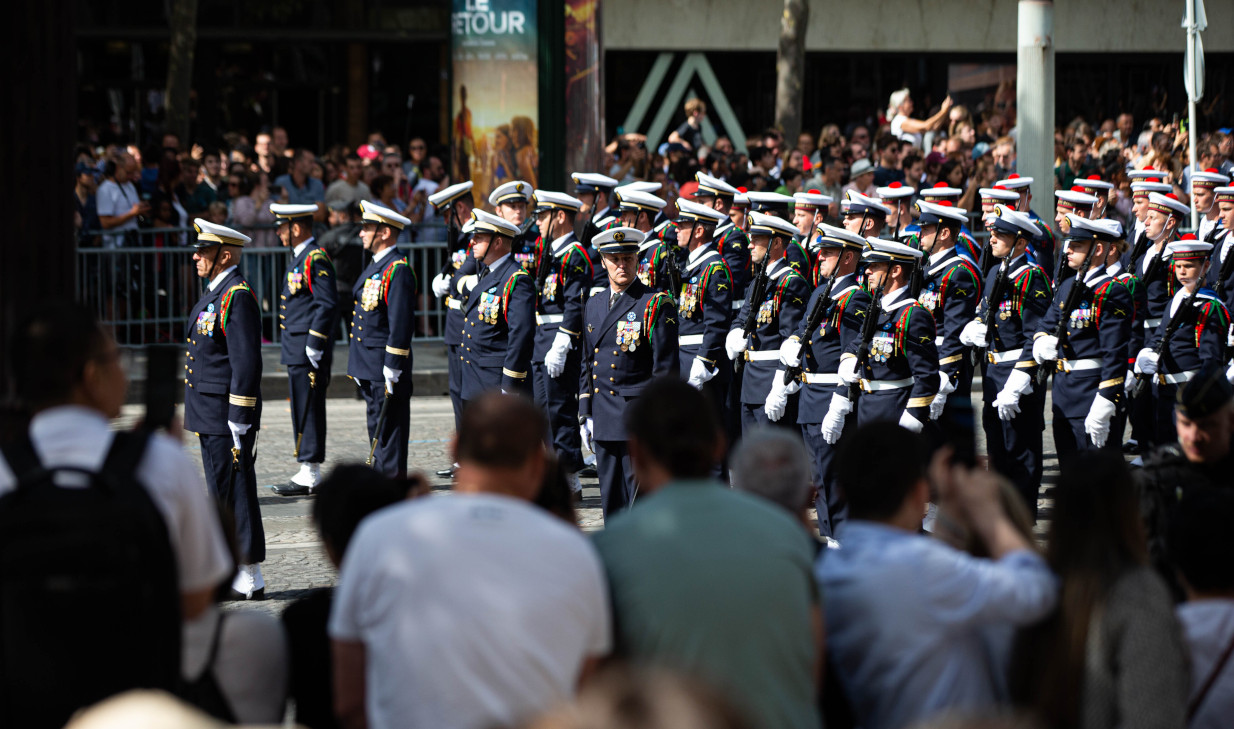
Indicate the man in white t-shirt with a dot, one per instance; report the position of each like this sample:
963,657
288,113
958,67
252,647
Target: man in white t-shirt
119,203
70,374
472,610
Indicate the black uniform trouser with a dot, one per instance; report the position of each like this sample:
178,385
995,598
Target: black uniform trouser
1163,395
1015,445
390,458
236,494
830,504
454,370
313,442
731,414
753,416
558,398
617,484
1071,438
1142,412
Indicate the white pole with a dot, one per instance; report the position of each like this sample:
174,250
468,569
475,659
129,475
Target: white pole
1192,132
1035,102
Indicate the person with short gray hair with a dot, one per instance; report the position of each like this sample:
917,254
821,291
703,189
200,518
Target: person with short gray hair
773,464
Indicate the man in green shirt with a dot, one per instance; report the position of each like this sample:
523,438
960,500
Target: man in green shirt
710,581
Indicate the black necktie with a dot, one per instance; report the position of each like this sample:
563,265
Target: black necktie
612,299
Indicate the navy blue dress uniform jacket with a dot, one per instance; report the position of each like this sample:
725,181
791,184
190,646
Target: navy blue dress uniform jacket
1221,251
1154,287
383,318
223,373
499,328
779,316
1093,354
1199,341
462,264
655,259
1023,301
308,307
951,290
902,351
734,245
704,307
563,296
611,376
821,348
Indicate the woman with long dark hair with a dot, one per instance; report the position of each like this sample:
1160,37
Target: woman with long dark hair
1112,654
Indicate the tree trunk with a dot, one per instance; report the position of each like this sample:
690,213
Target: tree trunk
790,69
183,23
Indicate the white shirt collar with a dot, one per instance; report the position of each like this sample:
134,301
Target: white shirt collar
383,253
214,283
493,266
1114,268
70,435
700,252
891,297
599,214
720,230
299,248
771,267
937,256
1179,297
561,242
1094,274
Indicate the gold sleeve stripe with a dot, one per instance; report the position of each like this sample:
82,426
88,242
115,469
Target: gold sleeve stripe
847,355
398,352
1112,383
920,402
1025,365
241,401
512,373
952,358
316,333
567,331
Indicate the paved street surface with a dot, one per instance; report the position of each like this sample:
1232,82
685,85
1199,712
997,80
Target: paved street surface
296,560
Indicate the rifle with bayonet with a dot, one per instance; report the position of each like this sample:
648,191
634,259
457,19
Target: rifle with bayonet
813,319
996,292
1073,299
754,300
543,267
1176,321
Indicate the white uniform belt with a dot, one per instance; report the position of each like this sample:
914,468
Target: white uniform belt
820,378
763,355
1072,365
738,304
453,303
876,385
1152,323
549,318
1175,378
1000,357
688,340
938,341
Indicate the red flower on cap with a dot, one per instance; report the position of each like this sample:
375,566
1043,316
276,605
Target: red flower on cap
743,190
1213,170
897,185
940,184
1189,236
815,192
1094,177
1171,195
944,203
1013,176
1153,179
1077,188
1000,187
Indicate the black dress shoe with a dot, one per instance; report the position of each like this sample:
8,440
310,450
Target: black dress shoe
237,596
446,472
292,489
588,472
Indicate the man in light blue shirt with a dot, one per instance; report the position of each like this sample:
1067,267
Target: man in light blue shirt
916,628
302,188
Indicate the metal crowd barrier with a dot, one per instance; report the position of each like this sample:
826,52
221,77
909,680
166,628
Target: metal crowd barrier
145,292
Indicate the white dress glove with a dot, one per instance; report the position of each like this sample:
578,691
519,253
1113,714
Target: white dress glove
777,399
1019,383
1146,362
555,358
1229,373
945,388
314,356
1045,349
736,343
441,285
1097,424
701,373
833,421
848,370
391,377
790,353
974,334
586,429
237,431
909,422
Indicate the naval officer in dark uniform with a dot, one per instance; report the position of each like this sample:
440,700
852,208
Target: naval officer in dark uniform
379,356
222,394
629,337
499,314
308,312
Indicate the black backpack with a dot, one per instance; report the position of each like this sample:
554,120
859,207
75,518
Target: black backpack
89,596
